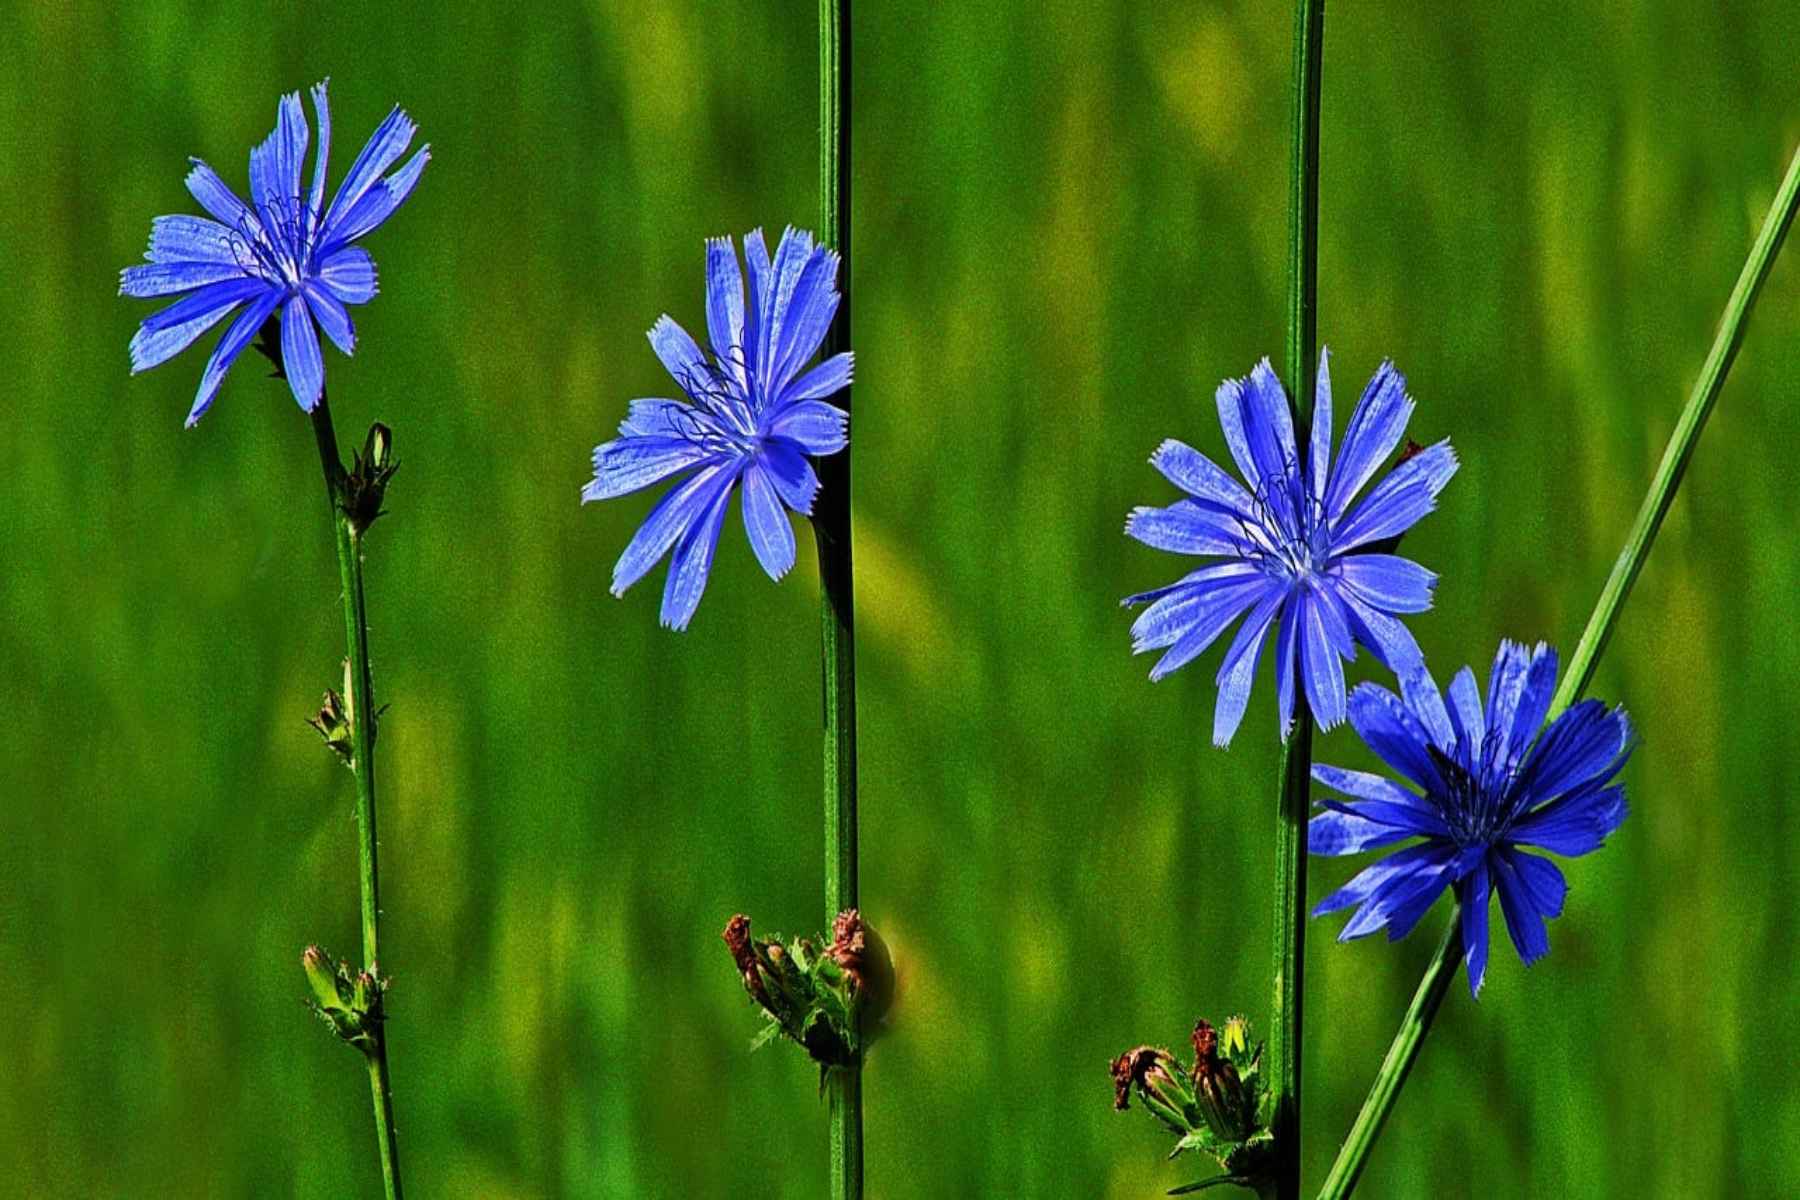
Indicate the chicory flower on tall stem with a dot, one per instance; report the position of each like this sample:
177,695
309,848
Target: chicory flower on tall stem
751,417
284,254
1298,554
1489,786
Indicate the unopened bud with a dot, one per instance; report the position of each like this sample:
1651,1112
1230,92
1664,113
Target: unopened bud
370,470
333,723
1160,1083
1218,1088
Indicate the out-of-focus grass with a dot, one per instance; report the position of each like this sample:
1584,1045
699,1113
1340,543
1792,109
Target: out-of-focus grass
1069,225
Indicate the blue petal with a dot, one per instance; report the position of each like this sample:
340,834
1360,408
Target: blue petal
1287,667
791,257
1473,893
1185,527
1208,615
792,475
661,418
1387,581
332,316
1238,671
166,279
167,333
237,335
1584,743
1318,458
1506,681
1365,786
1577,824
384,147
1324,669
693,558
350,274
827,379
1398,903
1465,716
681,357
221,201
756,258
1269,425
1230,401
275,164
1388,639
1170,607
1374,430
300,358
378,204
1523,921
1540,879
818,427
1353,828
1393,732
1530,704
1335,616
1201,478
627,464
1398,502
185,239
766,523
316,204
667,522
1427,857
725,305
807,319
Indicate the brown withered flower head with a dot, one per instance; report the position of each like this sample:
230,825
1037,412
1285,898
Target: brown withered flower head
863,957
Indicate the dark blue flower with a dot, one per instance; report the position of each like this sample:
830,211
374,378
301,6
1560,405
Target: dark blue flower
283,253
751,417
1298,555
1491,786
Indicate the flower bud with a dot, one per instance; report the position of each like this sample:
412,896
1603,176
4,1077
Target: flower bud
863,957
333,723
370,470
1219,1090
350,1005
1160,1082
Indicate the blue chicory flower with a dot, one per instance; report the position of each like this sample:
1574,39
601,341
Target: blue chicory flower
1491,786
751,417
285,252
1298,555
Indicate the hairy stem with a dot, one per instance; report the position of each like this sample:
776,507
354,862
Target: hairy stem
359,698
1285,1025
831,528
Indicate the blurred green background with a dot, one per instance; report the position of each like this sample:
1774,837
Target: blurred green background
1069,225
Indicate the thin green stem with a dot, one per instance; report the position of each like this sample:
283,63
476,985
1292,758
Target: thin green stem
1399,1061
359,699
831,528
1285,1026
1682,442
1354,1154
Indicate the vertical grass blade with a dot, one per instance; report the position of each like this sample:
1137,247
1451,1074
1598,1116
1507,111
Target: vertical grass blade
831,530
1285,1025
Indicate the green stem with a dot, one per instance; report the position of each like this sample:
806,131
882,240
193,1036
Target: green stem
1580,670
831,528
1285,1026
1399,1061
1681,443
359,698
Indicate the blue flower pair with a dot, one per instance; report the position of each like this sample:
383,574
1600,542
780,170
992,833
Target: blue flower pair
1302,555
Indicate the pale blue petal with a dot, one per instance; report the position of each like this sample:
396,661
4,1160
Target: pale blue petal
818,427
300,357
237,335
766,523
1375,427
